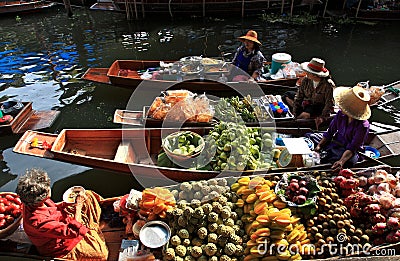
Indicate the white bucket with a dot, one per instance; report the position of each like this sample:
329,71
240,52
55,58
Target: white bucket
278,59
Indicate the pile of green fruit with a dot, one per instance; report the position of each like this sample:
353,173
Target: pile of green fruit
204,223
183,143
235,109
234,146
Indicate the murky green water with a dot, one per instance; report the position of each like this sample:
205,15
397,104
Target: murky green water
43,55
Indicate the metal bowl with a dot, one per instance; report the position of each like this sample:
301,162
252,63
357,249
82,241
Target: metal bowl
155,234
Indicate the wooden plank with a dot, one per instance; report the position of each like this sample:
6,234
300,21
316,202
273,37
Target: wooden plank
97,75
38,120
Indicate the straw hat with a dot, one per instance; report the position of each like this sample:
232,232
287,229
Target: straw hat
315,66
353,101
251,35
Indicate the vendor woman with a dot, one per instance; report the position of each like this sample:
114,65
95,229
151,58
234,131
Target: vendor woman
248,58
63,230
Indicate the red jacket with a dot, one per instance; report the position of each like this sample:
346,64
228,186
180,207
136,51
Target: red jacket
51,230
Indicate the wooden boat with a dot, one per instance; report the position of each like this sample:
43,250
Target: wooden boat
29,119
124,73
134,151
392,93
140,119
12,7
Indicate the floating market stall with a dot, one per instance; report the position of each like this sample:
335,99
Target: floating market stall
230,150
192,73
278,216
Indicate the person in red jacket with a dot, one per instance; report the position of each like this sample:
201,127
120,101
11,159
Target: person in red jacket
60,230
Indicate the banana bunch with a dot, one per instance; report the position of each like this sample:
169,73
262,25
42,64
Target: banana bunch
273,232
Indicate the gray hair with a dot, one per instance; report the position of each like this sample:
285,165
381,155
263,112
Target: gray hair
33,188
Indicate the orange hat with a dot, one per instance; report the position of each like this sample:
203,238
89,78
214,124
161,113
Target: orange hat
251,35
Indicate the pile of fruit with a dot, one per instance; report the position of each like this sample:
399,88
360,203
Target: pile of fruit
237,147
205,224
246,219
184,143
228,146
298,190
238,110
10,209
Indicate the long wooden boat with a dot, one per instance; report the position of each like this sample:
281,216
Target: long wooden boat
29,119
139,118
12,7
134,151
125,73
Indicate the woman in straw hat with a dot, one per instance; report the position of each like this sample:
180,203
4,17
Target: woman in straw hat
248,58
348,130
314,97
61,230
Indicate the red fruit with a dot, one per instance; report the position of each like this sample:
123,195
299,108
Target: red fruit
302,183
18,201
9,197
16,212
338,180
301,199
347,173
2,223
294,181
372,209
393,223
303,191
378,218
294,186
379,241
2,209
392,238
379,228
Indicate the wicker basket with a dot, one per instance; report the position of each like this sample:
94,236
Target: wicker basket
180,157
5,232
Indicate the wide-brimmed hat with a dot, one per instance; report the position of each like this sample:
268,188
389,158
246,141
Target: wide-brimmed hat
251,35
353,102
315,66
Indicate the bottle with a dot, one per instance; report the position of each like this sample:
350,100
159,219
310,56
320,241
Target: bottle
223,78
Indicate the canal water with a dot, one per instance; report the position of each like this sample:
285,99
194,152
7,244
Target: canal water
43,55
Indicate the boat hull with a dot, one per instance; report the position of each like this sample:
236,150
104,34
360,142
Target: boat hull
124,73
29,119
134,151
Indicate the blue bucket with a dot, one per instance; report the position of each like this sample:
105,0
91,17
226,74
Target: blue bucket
277,60
372,152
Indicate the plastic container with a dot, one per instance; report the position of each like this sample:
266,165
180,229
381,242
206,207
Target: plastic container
278,59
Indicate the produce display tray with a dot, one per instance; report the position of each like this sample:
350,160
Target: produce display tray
266,101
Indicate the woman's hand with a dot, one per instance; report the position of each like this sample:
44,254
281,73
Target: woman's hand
319,121
337,166
317,148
